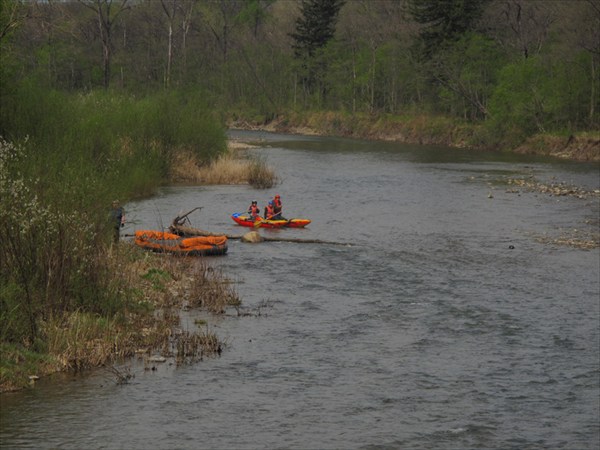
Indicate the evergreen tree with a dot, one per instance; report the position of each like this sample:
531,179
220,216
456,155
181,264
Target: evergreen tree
316,26
314,29
445,20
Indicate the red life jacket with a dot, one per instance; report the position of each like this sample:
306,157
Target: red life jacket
254,210
269,211
277,204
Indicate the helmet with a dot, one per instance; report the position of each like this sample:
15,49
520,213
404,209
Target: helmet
277,196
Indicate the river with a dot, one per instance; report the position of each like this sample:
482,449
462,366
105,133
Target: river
446,324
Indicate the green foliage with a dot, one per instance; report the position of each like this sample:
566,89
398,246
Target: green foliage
263,57
18,363
158,278
75,154
314,30
468,71
15,318
533,96
49,262
254,12
570,94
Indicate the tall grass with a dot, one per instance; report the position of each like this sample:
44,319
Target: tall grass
231,167
63,159
260,175
210,291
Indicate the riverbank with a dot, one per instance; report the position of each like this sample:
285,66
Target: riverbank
426,130
154,289
149,291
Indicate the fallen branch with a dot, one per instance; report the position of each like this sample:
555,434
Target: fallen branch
180,220
190,232
184,231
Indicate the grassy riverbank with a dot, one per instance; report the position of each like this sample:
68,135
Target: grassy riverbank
65,302
153,289
426,129
72,301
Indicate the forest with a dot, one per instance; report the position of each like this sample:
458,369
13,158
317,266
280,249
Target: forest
518,66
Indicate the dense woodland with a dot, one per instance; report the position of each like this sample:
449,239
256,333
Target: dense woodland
522,66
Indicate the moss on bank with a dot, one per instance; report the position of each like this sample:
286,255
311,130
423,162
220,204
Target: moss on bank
428,130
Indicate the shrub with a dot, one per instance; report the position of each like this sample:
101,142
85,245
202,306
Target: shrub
260,175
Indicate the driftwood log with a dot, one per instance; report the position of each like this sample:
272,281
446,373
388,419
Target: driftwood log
182,230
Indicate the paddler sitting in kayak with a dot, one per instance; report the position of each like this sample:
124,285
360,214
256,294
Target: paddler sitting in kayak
254,210
269,211
277,207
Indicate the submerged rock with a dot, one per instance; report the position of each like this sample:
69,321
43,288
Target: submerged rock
158,359
252,237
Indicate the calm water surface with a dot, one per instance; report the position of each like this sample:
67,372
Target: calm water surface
430,332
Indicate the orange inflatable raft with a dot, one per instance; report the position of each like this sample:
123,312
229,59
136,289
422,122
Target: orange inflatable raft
160,241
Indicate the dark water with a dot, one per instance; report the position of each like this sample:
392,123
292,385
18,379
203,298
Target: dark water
430,332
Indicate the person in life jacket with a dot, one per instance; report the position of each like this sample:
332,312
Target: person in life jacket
117,217
269,211
254,210
277,207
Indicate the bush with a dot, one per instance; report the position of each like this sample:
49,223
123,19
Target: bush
77,153
260,175
49,262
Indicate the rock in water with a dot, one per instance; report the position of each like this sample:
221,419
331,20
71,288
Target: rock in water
252,237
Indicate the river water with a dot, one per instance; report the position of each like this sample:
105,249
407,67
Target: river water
445,325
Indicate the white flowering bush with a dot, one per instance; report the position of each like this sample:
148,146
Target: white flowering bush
55,193
48,262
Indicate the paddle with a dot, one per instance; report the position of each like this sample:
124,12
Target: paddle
259,221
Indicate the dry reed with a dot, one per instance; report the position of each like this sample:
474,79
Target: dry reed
233,167
211,291
163,285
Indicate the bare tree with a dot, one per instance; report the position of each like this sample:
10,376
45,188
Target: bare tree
219,19
521,24
186,24
12,14
106,12
170,9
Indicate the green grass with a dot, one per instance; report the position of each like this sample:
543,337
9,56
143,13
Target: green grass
17,364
